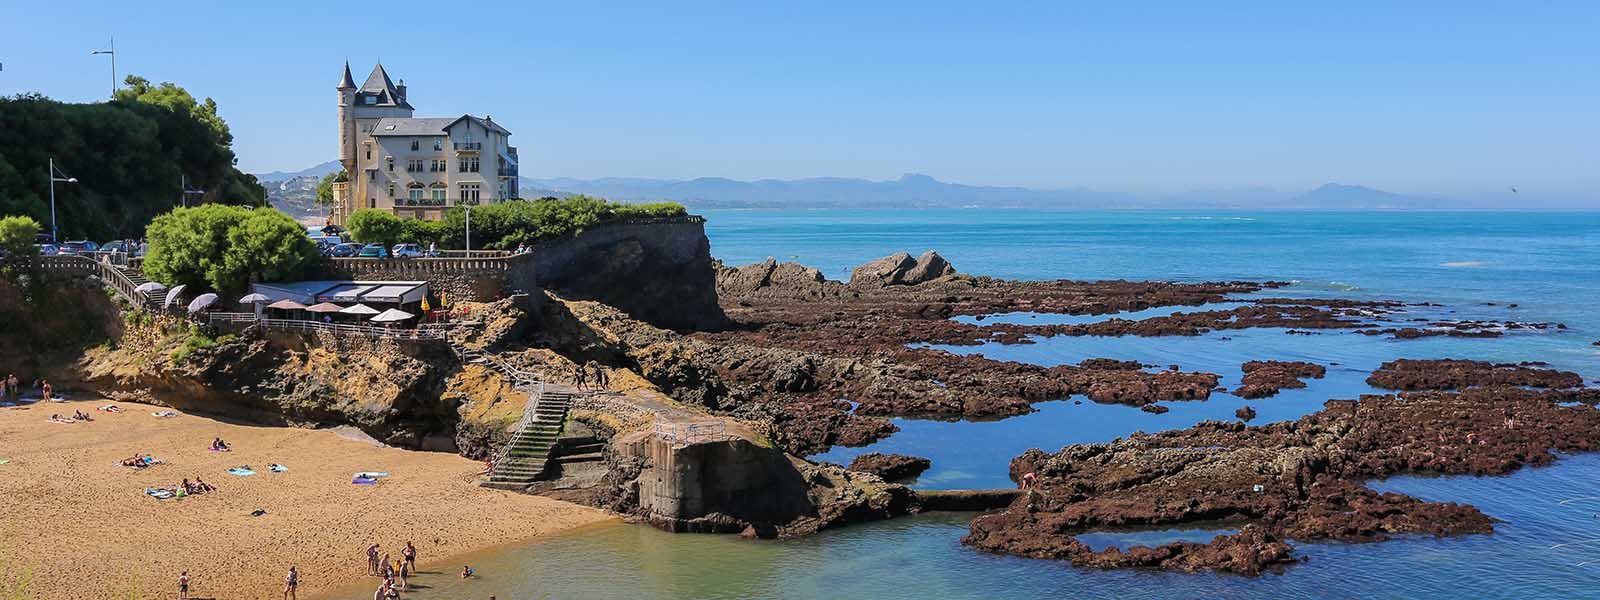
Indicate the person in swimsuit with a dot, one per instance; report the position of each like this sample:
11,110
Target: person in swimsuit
372,559
183,586
410,554
290,582
404,571
466,571
47,389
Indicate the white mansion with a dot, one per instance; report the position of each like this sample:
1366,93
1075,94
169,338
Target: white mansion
416,167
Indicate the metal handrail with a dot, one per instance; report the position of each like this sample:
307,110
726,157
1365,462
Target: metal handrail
113,277
683,434
529,413
423,332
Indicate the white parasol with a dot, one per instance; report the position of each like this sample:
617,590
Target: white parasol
172,295
359,309
254,299
392,315
201,302
149,286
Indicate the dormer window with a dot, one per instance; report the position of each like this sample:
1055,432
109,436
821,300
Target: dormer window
438,144
415,144
369,100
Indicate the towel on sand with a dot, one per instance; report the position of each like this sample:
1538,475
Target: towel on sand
277,468
240,471
165,414
159,493
370,474
364,481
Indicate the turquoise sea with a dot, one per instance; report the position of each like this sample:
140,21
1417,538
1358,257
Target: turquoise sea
1475,264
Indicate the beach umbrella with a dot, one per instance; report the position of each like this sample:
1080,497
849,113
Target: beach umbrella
201,302
286,305
254,299
172,295
392,315
359,309
325,307
149,286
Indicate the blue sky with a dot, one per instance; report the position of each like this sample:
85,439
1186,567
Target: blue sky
1455,98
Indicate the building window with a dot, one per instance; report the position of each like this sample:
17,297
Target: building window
469,164
370,99
368,148
438,144
415,145
372,175
469,193
439,165
372,202
416,196
414,165
391,191
390,161
438,195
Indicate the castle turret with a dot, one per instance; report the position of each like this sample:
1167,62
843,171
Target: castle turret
347,121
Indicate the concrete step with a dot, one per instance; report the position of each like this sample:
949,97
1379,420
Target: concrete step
571,449
582,458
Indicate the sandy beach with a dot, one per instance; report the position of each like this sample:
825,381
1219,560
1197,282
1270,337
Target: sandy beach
75,523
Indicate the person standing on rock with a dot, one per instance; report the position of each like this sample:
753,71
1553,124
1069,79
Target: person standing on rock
600,377
579,377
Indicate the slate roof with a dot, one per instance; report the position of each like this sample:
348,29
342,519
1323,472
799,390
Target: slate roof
413,126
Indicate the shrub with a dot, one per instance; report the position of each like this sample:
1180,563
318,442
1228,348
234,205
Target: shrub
220,246
17,234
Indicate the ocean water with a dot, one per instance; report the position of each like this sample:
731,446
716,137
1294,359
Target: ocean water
1475,264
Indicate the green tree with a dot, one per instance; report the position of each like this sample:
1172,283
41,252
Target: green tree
129,156
325,187
188,246
267,244
375,226
17,234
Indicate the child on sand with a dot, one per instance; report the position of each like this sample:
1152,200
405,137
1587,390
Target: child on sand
291,582
183,586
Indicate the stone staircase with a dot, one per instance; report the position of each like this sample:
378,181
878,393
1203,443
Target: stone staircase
137,277
526,456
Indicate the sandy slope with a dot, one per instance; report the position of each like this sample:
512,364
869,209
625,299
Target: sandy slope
81,525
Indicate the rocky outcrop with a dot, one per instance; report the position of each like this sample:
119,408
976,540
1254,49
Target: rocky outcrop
660,273
890,467
1263,378
1450,374
48,320
901,269
1302,480
1245,413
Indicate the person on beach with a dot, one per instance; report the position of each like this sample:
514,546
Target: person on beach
386,568
1027,479
404,572
10,386
217,445
45,386
466,571
372,559
410,555
291,582
183,586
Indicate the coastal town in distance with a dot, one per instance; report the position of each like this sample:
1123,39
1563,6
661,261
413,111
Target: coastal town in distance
902,300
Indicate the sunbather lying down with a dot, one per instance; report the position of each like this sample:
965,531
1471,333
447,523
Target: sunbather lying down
57,418
110,408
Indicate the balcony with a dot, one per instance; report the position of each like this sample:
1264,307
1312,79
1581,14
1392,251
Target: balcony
407,202
468,146
507,172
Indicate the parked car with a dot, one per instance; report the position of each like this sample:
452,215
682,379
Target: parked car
79,247
345,250
407,251
48,249
374,251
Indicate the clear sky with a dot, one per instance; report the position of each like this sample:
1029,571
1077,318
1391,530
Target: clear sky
1460,97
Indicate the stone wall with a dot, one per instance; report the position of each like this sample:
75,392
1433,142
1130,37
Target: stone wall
673,241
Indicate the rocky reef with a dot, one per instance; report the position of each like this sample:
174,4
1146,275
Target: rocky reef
1302,479
890,467
1263,378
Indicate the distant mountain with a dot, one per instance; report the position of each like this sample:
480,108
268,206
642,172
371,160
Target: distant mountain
331,166
1334,196
910,190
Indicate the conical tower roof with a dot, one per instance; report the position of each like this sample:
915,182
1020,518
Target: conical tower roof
346,82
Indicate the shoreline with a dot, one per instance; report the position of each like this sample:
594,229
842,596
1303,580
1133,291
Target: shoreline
105,537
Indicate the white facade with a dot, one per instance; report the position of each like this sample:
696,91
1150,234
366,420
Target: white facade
416,167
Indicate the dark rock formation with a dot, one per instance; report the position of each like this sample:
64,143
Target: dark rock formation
891,467
1302,480
1450,374
901,269
1245,413
662,274
1263,378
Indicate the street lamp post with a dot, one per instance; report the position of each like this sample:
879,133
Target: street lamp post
469,229
53,179
111,50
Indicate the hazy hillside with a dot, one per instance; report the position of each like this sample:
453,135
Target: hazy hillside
319,170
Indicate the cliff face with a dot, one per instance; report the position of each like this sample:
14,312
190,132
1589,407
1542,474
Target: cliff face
46,321
661,272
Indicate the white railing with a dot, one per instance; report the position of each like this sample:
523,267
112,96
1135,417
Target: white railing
529,413
421,332
683,434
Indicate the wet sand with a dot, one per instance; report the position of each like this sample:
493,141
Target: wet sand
76,524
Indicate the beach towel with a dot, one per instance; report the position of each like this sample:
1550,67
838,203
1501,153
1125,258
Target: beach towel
159,494
277,468
370,474
364,481
240,471
4,460
165,414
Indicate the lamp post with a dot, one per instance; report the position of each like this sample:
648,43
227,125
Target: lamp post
53,179
183,184
469,229
111,50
